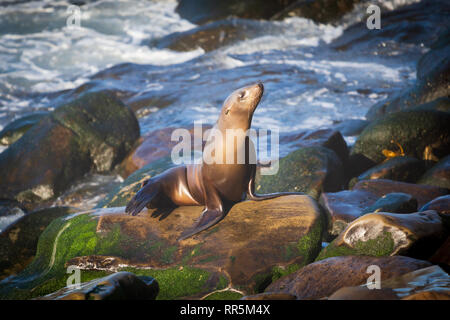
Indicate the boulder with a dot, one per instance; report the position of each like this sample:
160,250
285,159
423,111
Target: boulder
286,235
90,134
203,11
310,170
396,202
442,256
419,133
363,293
381,187
10,211
16,129
440,104
117,286
18,242
407,169
438,175
442,206
388,234
121,195
323,278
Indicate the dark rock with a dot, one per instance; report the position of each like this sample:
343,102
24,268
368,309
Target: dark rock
323,278
343,207
16,129
380,187
393,202
214,35
18,242
442,256
327,138
442,206
90,134
414,131
270,296
310,170
382,234
117,286
286,234
352,127
433,74
407,169
202,11
439,175
440,104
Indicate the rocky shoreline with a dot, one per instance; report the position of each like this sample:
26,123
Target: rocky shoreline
383,201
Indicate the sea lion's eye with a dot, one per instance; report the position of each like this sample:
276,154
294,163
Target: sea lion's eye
242,94
227,111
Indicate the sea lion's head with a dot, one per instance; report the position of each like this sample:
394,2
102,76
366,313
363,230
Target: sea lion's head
238,108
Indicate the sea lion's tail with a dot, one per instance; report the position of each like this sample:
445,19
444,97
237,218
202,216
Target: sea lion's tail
144,196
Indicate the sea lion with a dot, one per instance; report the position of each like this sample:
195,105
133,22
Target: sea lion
215,185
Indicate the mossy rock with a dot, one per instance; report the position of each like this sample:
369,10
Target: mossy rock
309,170
439,175
127,189
286,234
441,104
322,278
14,130
90,134
415,131
18,242
387,234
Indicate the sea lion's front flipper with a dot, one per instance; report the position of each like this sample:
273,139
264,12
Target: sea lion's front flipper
144,196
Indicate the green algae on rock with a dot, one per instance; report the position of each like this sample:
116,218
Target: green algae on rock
18,242
223,257
310,170
415,131
322,278
388,234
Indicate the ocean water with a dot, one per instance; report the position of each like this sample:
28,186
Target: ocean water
308,83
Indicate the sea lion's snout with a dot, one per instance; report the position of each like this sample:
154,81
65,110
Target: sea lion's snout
260,85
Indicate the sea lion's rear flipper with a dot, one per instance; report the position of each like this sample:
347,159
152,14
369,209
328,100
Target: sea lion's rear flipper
144,196
207,219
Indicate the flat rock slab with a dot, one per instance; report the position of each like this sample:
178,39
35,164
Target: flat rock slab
383,234
323,278
381,187
254,244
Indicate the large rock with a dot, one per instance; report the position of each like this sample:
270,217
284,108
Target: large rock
203,11
418,132
117,286
323,278
90,134
381,187
395,202
387,234
430,283
18,242
121,195
439,175
286,234
407,169
17,128
433,74
310,170
442,206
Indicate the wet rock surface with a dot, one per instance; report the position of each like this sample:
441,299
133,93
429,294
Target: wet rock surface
286,234
321,279
17,128
310,170
118,286
414,131
92,133
438,175
387,234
